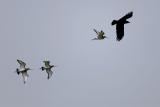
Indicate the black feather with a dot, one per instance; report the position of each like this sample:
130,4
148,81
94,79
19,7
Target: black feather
120,25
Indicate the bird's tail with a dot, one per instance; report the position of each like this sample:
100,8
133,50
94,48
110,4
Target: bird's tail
114,22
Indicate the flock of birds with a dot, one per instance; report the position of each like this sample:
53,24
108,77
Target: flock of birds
100,36
23,69
119,27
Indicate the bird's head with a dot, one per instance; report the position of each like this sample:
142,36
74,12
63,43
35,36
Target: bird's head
17,71
114,22
42,68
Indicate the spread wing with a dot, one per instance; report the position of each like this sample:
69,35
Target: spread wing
120,31
22,64
49,72
96,31
127,16
25,77
47,63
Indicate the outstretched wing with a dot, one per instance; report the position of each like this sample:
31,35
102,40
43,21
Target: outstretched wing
128,15
25,77
96,31
120,31
22,64
47,63
49,72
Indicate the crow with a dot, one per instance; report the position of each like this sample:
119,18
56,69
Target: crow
120,25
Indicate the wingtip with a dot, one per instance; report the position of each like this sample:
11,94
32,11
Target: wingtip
130,13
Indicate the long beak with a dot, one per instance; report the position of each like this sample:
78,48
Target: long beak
41,69
94,39
15,71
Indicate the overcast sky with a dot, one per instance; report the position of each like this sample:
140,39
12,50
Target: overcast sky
90,73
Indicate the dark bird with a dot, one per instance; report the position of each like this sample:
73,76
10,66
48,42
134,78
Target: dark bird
23,70
48,68
120,25
100,35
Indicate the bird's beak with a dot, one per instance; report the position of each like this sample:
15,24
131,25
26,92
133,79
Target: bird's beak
15,71
40,69
94,39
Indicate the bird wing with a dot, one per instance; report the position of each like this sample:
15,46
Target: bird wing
47,63
49,72
120,31
128,15
25,77
96,31
22,64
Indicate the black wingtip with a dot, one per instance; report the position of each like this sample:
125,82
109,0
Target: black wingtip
131,13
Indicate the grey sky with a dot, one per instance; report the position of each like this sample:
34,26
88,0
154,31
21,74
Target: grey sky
90,73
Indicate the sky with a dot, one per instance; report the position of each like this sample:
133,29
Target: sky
90,73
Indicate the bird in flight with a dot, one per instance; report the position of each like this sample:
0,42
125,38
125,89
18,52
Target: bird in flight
23,70
100,35
48,68
120,25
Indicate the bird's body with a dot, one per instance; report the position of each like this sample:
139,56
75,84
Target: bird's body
23,70
120,25
48,68
100,35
